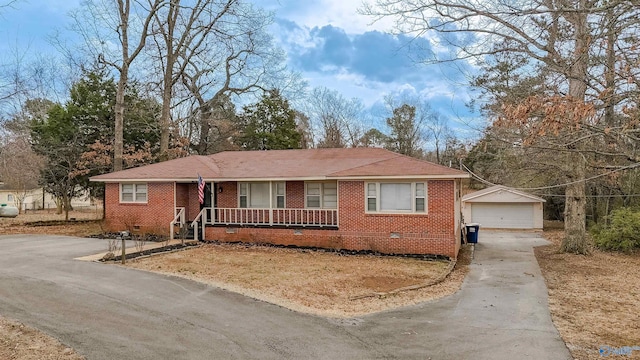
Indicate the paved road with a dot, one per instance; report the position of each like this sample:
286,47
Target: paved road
109,312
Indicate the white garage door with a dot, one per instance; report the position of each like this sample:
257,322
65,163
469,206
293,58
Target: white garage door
503,215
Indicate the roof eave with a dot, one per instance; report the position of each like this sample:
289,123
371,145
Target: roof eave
306,178
398,177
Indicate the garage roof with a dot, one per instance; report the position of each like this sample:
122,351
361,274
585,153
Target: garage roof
500,193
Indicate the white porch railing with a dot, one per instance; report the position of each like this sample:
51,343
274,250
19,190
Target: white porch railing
202,218
272,217
178,219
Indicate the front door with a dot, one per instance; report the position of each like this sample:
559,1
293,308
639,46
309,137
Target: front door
207,199
207,196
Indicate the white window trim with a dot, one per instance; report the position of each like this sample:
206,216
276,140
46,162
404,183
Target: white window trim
390,212
273,193
322,207
135,185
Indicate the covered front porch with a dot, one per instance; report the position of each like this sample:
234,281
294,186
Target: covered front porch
278,204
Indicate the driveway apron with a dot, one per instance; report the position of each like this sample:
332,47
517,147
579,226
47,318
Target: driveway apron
109,312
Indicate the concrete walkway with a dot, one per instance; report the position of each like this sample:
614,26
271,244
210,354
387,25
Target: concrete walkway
107,312
129,249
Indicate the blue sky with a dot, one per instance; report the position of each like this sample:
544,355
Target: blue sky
336,47
326,40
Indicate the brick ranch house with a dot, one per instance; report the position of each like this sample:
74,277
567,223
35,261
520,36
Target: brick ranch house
357,199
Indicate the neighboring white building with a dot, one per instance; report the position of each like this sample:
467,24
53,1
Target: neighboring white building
502,207
38,199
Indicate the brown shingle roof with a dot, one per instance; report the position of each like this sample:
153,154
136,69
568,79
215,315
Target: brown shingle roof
286,164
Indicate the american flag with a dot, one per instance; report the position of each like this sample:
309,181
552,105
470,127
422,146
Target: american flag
201,185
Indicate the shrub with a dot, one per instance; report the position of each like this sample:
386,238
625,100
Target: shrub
622,233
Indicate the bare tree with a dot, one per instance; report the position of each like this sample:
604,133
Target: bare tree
563,39
424,126
438,131
223,49
336,118
20,166
7,4
184,30
125,23
304,128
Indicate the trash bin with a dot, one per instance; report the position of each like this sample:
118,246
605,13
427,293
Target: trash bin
472,232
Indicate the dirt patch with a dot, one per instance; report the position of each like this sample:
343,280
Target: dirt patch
594,299
20,342
86,223
50,215
72,228
315,282
386,283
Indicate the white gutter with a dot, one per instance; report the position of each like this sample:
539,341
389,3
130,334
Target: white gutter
308,178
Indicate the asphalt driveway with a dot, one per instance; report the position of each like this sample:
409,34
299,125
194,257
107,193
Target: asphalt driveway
110,312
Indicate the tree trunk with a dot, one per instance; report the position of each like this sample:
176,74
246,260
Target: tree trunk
66,205
165,117
167,89
124,9
610,71
205,128
104,201
118,143
595,206
575,239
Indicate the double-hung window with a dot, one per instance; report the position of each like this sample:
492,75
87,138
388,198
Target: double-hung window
321,195
133,193
402,197
279,192
256,195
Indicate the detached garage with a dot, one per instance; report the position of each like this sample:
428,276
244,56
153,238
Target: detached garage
501,207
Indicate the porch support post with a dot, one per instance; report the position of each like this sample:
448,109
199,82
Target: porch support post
175,203
271,203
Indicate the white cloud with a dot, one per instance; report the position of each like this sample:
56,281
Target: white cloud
298,37
339,13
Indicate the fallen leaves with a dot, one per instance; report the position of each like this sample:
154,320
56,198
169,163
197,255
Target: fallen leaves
20,342
594,300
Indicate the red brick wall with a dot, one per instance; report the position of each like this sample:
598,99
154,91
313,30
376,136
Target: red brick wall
182,197
187,197
433,233
151,217
295,194
194,203
458,190
228,198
